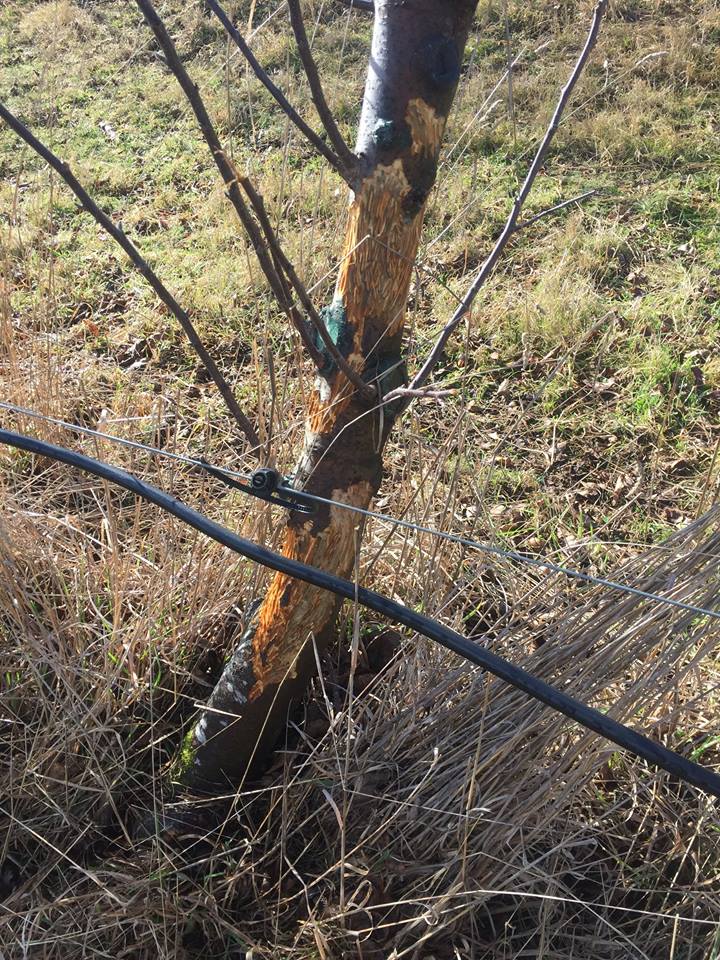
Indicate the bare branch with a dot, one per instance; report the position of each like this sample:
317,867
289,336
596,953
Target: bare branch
423,392
273,261
511,224
308,61
557,207
140,263
230,176
314,317
367,6
345,172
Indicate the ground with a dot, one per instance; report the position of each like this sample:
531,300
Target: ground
424,810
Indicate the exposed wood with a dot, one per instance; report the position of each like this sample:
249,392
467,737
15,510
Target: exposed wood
286,270
413,74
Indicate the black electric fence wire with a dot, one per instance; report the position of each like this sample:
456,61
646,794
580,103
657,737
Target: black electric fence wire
122,441
635,743
294,498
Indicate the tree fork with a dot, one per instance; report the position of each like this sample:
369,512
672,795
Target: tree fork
417,50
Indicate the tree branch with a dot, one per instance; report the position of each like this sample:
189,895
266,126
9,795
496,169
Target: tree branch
230,177
311,72
512,221
336,162
275,264
314,317
555,209
140,263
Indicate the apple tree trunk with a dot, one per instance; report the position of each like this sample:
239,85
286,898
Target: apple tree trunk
415,60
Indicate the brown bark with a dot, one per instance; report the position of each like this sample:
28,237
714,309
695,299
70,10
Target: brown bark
414,69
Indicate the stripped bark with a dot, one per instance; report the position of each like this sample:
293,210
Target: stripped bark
414,69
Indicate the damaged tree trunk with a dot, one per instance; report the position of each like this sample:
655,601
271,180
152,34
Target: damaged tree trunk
417,50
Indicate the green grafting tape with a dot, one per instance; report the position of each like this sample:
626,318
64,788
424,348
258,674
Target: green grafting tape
335,320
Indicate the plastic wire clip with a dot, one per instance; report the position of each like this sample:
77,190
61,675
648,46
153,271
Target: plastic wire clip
263,485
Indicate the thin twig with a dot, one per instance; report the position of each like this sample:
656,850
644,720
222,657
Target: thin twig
510,226
558,206
313,316
235,35
341,148
230,177
426,392
140,263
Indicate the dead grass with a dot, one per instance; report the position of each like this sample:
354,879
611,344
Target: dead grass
421,810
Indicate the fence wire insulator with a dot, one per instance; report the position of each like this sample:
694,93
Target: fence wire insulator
264,484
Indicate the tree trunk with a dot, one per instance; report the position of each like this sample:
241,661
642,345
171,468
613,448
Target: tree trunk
417,49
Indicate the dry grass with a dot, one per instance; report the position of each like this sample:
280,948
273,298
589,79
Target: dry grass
420,810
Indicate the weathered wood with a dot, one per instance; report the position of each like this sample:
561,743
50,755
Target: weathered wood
417,49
